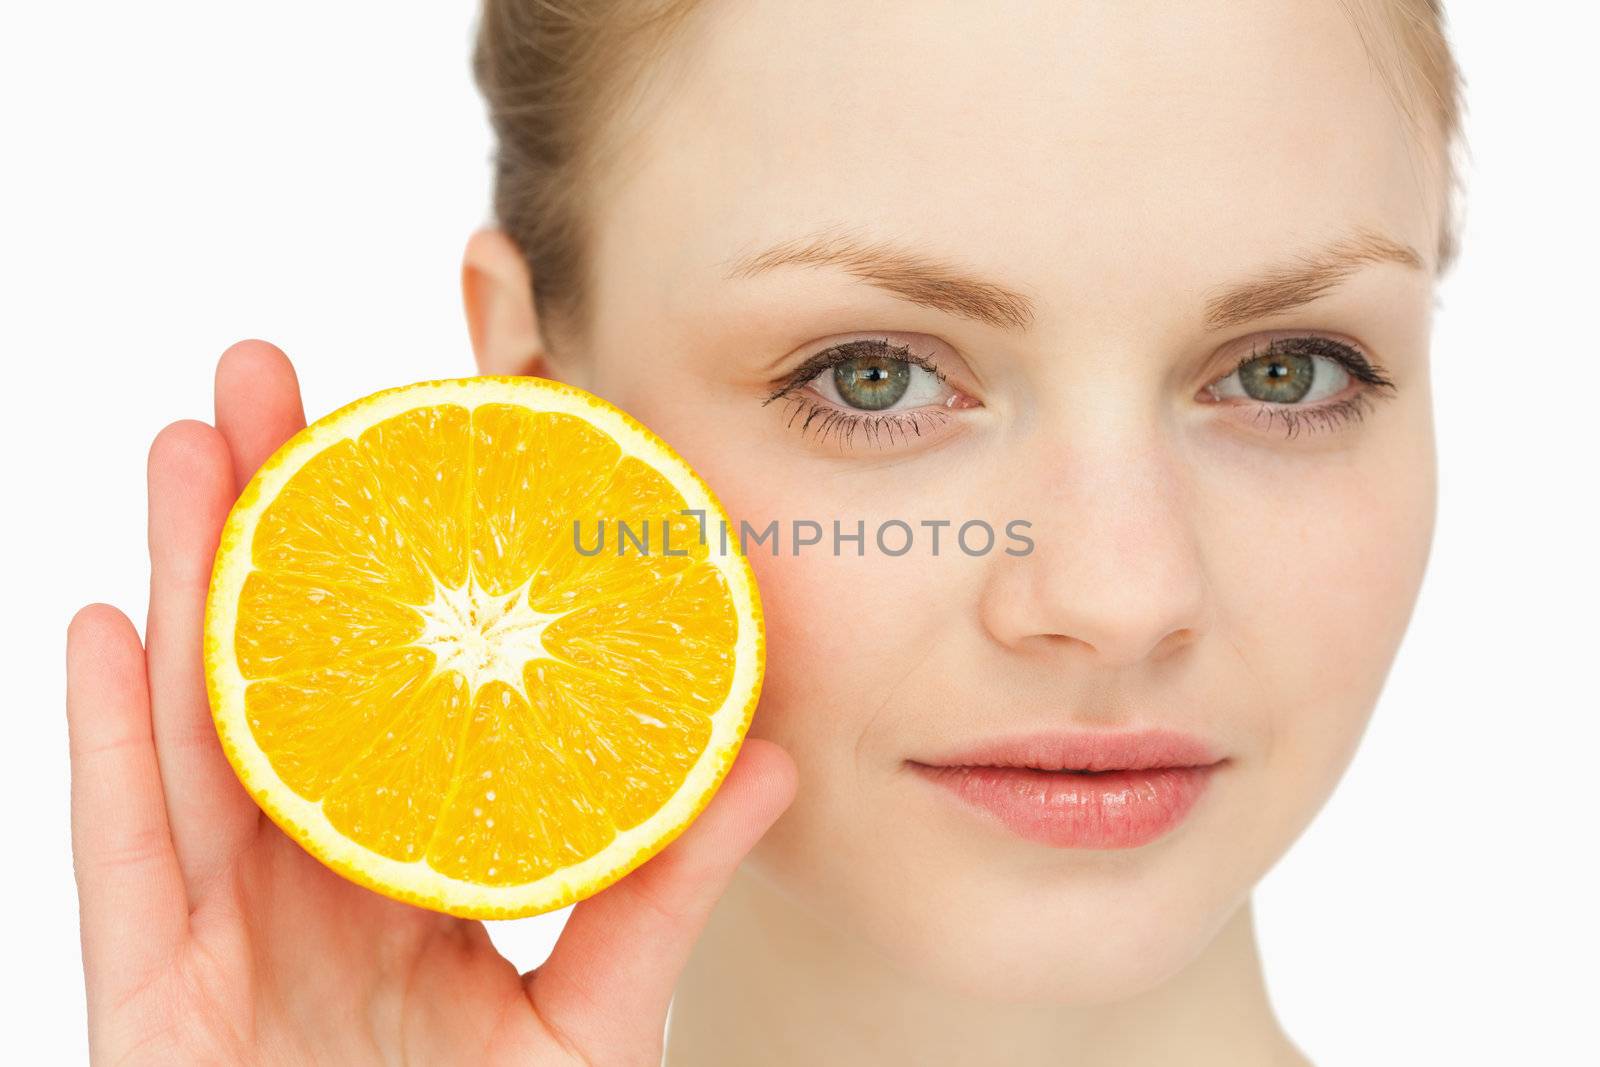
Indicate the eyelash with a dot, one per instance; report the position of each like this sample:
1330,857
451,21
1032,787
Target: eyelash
876,428
1327,416
824,418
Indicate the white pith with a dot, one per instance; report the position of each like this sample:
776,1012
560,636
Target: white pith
483,636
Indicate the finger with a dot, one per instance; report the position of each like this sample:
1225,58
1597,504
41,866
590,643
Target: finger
191,489
258,404
608,981
133,913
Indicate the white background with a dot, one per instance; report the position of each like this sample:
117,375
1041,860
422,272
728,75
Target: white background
181,175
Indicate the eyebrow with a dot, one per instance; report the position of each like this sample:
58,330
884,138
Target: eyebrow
907,274
947,287
1304,279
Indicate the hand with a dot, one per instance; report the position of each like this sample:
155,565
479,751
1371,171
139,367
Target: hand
211,937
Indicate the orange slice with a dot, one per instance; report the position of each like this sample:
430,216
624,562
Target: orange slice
443,688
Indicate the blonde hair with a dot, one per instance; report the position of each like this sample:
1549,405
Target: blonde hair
557,74
1407,41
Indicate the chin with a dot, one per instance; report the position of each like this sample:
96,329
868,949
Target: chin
1108,927
1077,946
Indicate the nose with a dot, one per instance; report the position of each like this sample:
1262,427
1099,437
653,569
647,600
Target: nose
1115,571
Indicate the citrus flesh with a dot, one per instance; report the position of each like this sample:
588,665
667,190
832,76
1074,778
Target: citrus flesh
437,684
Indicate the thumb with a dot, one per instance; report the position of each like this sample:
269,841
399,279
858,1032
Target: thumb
609,979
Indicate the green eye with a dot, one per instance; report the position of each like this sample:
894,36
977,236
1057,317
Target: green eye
872,383
1284,378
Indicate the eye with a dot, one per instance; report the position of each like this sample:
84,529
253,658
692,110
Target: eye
881,391
1304,381
880,383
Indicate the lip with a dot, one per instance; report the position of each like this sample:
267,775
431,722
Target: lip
1084,789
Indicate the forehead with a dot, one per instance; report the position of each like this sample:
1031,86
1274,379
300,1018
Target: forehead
1072,147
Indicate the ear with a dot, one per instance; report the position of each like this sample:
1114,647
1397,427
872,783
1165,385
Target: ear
498,296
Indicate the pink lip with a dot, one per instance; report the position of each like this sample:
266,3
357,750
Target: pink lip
1140,785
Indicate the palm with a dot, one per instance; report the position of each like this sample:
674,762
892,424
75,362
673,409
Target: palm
280,946
210,936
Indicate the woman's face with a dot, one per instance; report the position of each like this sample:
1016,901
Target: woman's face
1050,204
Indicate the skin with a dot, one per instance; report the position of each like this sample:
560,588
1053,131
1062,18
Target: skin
1195,567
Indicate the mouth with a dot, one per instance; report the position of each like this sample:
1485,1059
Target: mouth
1091,790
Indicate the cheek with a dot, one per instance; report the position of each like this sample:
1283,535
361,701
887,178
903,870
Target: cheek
1321,575
844,630
841,643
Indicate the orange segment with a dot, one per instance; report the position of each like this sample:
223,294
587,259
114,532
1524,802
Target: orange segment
390,798
519,810
331,523
580,710
674,636
464,643
415,458
532,470
289,623
315,723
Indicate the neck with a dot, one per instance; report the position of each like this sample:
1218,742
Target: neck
771,983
